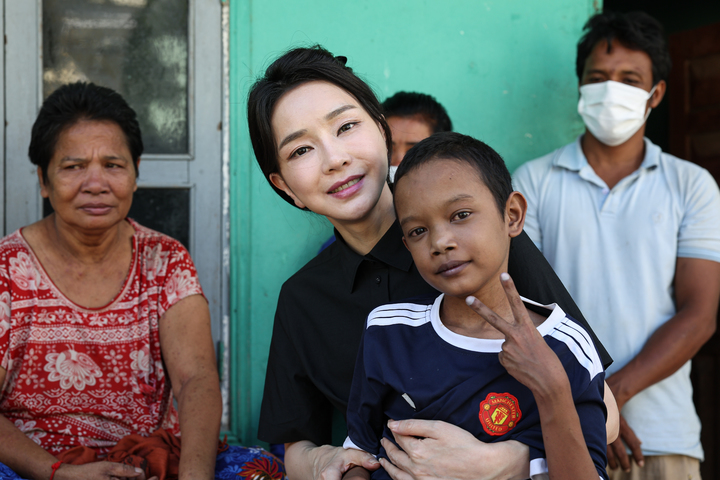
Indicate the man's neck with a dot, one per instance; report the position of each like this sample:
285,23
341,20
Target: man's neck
612,164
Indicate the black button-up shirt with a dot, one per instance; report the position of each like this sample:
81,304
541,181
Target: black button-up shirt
321,316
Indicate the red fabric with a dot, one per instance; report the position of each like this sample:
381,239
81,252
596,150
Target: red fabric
79,376
157,455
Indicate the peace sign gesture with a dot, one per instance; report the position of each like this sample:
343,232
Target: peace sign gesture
525,355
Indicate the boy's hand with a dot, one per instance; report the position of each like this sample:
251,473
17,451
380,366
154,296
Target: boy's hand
525,355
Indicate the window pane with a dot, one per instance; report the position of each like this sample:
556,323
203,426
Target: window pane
136,47
166,210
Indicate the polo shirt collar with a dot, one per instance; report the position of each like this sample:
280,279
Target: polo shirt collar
389,250
573,158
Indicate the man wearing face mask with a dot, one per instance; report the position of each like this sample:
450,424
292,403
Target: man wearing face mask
634,233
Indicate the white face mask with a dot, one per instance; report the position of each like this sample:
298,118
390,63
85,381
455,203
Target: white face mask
613,111
393,169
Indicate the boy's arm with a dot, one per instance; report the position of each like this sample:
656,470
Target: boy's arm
565,448
529,359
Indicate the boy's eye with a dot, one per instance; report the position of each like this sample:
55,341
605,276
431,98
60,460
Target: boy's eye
461,215
347,127
416,231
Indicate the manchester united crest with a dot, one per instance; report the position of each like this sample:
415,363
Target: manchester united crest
499,413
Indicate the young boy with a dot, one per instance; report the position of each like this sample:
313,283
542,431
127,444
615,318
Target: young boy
475,356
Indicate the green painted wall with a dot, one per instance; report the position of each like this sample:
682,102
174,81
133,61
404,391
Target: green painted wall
504,70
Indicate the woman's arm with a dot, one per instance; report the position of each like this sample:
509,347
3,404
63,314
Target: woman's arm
29,460
306,461
189,356
612,425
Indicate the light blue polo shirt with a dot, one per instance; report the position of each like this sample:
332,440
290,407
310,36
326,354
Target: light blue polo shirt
615,250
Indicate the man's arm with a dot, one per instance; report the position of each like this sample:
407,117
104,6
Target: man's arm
697,290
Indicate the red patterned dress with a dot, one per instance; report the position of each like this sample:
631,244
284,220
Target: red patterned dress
89,376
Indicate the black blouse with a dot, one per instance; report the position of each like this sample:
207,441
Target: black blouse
321,316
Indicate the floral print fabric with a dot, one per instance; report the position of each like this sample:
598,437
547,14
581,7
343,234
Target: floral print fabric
82,376
235,463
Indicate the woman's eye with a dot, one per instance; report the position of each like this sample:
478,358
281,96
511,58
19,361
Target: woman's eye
300,152
347,127
416,231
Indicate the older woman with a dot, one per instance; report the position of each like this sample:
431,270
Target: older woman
103,321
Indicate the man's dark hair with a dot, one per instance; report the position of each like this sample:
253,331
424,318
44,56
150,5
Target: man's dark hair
412,104
634,30
75,102
461,148
292,69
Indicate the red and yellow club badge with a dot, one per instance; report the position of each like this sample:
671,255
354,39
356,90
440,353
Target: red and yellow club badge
499,413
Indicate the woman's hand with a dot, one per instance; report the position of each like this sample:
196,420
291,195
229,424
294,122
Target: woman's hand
447,451
525,354
306,461
100,471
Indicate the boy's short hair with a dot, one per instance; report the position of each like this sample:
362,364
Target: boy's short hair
411,104
487,162
634,30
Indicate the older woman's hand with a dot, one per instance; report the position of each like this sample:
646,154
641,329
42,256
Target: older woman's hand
447,451
100,471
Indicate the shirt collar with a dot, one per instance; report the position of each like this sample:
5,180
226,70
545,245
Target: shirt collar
389,250
573,158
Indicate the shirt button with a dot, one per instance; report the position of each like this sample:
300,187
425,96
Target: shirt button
605,190
377,280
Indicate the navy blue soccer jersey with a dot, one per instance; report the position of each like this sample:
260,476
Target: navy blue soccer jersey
411,366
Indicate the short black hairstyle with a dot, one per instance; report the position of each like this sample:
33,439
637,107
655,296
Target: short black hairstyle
634,30
411,104
78,101
294,68
487,162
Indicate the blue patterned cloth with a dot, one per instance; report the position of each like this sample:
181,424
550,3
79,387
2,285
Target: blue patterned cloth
237,463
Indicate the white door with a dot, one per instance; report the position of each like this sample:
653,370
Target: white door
164,57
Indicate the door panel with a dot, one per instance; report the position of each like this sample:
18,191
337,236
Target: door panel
695,136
